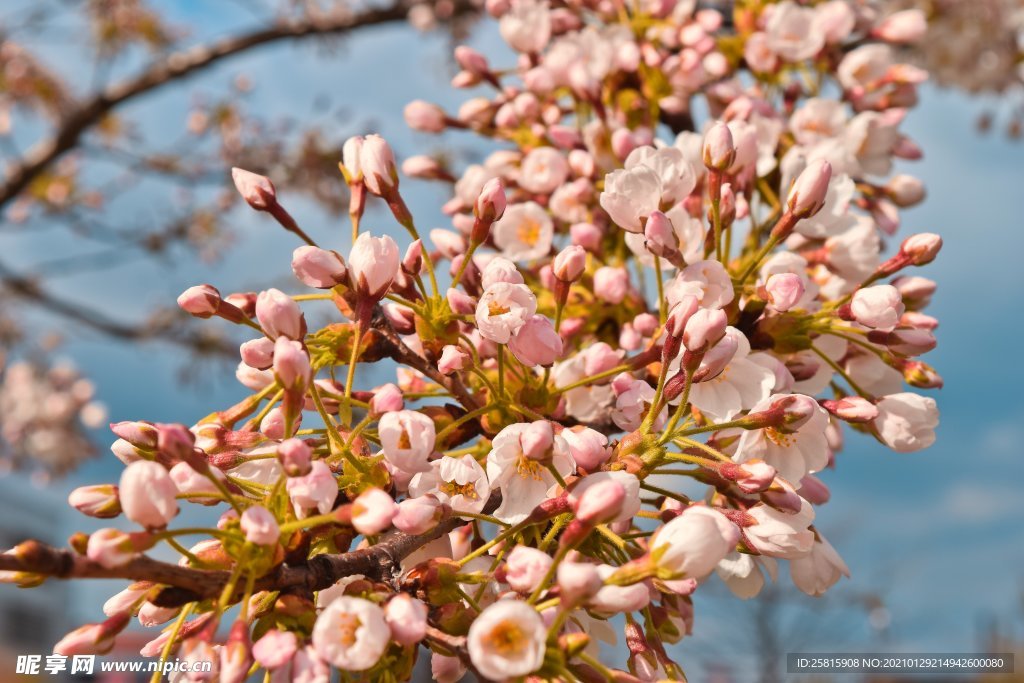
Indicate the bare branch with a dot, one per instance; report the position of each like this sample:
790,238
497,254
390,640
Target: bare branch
178,65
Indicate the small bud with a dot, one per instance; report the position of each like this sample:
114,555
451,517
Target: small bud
99,501
425,117
853,409
452,359
295,457
784,290
373,511
319,268
807,196
922,248
537,441
569,264
719,150
259,526
377,162
255,189
386,399
418,515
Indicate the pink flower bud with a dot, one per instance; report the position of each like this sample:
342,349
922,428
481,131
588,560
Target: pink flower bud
92,639
291,365
147,494
905,190
660,236
422,166
601,502
460,302
646,324
500,269
752,476
536,342
586,235
452,359
424,117
525,568
852,409
879,306
588,447
372,512
110,548
350,162
386,399
705,327
406,616
275,649
257,353
537,440
680,314
412,262
319,268
716,359
814,490
99,501
260,526
316,490
295,457
807,196
599,358
905,341
611,284
377,163
236,654
577,581
418,515
569,264
142,435
784,290
922,248
202,301
719,151
906,26
490,204
471,60
373,263
279,315
175,441
255,189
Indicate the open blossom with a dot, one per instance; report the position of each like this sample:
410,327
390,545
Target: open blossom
630,196
407,438
524,232
351,633
781,534
694,542
458,481
817,571
523,482
507,640
316,490
906,422
792,451
503,309
792,33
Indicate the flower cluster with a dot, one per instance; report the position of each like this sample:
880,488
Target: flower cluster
625,368
45,412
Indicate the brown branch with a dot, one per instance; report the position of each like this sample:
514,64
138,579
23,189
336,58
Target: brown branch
173,334
75,123
380,562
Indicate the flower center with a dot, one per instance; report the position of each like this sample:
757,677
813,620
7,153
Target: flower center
529,232
507,639
404,442
452,489
494,308
528,468
778,438
348,624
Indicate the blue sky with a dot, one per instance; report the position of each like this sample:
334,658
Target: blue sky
937,534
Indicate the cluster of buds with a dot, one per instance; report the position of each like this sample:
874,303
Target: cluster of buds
609,316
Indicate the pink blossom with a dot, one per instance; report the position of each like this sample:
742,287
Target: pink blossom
260,526
373,263
147,494
373,511
279,315
407,618
536,342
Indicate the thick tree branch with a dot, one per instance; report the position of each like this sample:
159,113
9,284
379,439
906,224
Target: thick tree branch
75,123
380,562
